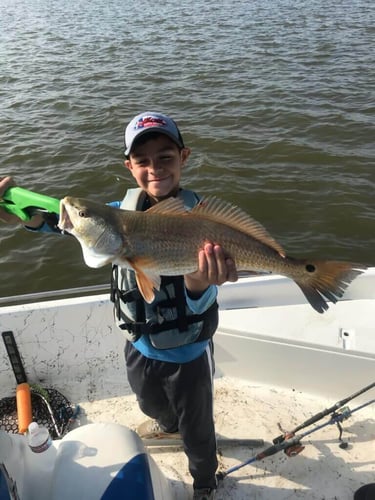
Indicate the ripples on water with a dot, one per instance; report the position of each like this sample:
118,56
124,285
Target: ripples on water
275,98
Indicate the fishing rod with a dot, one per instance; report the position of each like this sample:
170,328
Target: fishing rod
318,416
290,443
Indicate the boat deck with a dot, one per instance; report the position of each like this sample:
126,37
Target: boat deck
246,411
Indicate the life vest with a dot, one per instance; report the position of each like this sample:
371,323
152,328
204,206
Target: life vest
167,320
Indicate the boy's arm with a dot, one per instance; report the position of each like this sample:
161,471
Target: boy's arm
201,304
44,224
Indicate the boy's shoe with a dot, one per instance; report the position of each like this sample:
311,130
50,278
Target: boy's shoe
150,429
204,494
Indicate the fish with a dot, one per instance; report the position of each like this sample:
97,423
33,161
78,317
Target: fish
165,240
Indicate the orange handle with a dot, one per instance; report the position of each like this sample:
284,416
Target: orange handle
24,410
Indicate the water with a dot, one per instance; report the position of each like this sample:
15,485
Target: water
275,98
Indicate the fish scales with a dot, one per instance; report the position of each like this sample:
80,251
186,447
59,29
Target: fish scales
175,244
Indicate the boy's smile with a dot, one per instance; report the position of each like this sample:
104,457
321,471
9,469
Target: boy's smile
156,166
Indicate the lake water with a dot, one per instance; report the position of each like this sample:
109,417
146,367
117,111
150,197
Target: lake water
275,98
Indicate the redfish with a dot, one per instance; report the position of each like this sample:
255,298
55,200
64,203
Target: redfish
165,240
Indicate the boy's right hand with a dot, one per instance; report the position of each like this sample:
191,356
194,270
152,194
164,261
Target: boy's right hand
214,268
34,222
5,183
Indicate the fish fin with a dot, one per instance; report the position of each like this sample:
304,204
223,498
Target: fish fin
169,206
327,280
223,212
147,281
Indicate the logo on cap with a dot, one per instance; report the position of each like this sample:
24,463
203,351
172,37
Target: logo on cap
149,121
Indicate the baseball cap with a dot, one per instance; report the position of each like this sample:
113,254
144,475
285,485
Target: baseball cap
151,121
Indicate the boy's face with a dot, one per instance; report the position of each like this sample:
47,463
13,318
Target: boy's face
156,166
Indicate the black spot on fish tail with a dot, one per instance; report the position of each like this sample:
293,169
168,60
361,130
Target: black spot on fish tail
327,280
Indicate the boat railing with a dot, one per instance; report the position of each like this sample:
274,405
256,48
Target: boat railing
54,294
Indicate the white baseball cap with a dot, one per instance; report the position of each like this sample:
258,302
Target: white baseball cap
150,121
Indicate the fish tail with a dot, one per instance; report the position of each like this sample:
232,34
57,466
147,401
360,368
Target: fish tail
327,280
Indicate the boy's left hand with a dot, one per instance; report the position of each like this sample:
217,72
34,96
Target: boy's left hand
213,269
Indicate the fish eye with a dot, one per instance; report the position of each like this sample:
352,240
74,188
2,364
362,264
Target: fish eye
82,213
310,268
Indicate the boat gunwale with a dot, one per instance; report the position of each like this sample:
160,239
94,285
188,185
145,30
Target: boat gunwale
255,280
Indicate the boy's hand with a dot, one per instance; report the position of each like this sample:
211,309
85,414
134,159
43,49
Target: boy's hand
213,269
34,222
5,183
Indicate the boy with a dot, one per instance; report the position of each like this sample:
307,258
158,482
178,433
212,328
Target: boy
168,352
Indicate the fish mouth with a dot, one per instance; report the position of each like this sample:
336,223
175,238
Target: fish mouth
65,224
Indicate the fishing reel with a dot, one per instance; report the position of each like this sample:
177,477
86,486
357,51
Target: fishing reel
294,449
339,417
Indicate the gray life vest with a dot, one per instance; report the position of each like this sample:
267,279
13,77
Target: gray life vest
168,321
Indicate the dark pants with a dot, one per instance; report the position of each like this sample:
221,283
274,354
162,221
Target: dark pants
179,397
